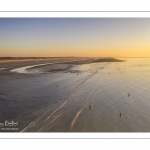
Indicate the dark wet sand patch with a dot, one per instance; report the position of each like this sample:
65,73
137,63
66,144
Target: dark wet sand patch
24,108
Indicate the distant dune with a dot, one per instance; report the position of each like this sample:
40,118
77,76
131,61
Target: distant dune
108,59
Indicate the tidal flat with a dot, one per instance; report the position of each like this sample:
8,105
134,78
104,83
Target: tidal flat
75,94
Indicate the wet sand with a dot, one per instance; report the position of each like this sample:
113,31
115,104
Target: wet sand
76,96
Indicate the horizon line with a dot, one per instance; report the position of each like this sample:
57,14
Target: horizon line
67,56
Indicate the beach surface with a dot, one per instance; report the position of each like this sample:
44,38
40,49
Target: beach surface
75,95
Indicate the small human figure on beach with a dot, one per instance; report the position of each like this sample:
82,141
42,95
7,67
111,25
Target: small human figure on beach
128,95
120,115
57,85
90,107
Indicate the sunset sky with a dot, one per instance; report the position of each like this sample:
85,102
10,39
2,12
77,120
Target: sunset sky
81,37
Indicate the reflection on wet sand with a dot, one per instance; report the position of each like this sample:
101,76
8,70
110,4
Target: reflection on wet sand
92,97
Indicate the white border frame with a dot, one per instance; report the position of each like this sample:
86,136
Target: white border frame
74,135
73,14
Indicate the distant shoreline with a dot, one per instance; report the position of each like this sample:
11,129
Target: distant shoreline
100,59
29,58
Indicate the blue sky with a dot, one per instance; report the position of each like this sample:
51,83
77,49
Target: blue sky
75,37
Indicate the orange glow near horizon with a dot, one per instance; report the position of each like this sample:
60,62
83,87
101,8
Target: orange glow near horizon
82,52
78,37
